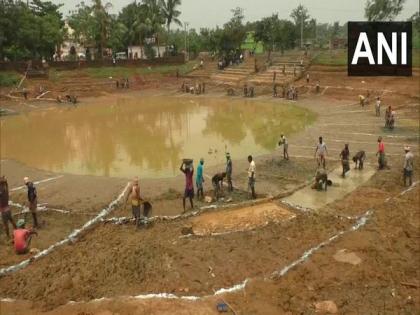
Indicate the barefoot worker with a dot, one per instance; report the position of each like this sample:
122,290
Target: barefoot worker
6,214
32,199
229,170
378,107
188,169
199,180
408,166
283,141
359,158
362,100
217,181
22,238
135,200
381,154
345,155
251,177
321,152
321,179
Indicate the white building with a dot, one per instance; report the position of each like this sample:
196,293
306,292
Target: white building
137,52
69,43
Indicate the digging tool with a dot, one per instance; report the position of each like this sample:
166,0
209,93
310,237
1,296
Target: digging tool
230,306
41,95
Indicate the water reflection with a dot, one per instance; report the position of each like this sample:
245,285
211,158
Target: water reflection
147,136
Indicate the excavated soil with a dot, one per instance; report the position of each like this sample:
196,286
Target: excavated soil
241,219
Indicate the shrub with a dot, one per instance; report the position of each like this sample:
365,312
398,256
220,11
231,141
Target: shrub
8,78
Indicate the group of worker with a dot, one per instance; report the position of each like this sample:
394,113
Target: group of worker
21,235
187,168
321,178
197,88
124,83
248,91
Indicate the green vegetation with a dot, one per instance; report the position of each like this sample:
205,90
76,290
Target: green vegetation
36,29
141,23
9,78
383,10
32,31
275,33
116,72
336,57
251,44
339,58
416,57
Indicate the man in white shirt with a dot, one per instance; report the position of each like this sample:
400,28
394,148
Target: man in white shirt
321,152
283,141
378,106
408,166
251,177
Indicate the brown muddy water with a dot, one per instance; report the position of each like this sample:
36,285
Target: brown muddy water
146,135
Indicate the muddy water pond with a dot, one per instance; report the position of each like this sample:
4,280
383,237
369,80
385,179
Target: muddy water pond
122,136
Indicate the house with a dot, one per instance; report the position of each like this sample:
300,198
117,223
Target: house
64,51
79,49
138,52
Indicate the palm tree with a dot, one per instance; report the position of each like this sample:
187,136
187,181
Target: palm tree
154,18
170,12
100,13
139,27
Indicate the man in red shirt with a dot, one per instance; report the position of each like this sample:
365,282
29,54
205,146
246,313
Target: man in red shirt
22,237
381,154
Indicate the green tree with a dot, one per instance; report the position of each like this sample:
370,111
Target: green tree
117,35
335,30
266,32
92,25
154,20
103,24
133,17
32,31
415,19
170,13
301,17
83,23
285,35
233,34
383,10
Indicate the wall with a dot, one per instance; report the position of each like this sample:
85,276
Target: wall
70,65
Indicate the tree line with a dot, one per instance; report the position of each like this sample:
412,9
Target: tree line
35,29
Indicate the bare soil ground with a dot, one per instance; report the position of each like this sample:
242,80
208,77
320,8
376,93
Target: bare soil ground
119,262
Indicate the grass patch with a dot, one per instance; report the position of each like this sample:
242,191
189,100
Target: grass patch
416,57
339,58
106,72
331,58
9,78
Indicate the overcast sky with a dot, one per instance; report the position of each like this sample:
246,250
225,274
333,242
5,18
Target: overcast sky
209,13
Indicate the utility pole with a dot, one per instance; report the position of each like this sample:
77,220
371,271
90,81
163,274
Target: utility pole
301,31
187,57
